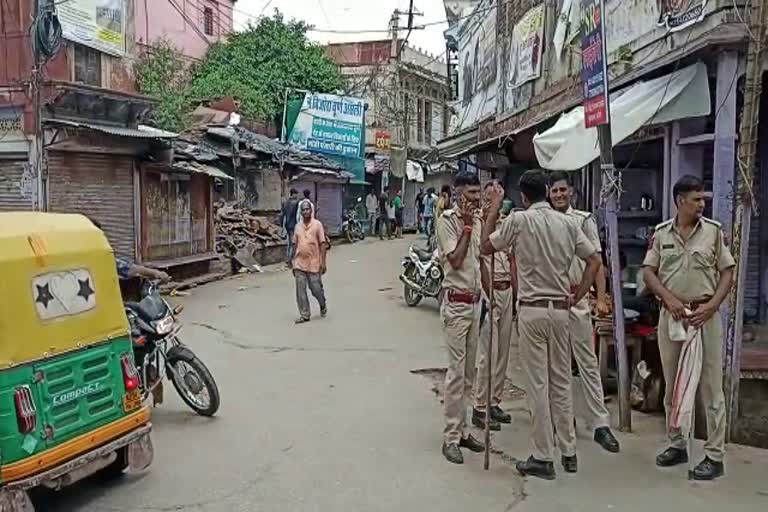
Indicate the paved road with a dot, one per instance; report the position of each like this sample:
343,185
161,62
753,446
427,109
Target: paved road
327,416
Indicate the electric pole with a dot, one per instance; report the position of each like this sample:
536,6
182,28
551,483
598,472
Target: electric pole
744,199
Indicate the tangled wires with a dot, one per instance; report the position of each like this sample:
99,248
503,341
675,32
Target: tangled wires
46,32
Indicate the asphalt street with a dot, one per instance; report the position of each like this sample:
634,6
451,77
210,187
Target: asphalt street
328,416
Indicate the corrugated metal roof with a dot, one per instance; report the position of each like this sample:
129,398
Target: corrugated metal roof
142,132
202,169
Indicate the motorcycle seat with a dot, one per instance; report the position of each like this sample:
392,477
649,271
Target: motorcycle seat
423,254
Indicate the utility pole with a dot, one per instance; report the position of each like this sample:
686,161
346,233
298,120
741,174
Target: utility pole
35,84
597,112
750,117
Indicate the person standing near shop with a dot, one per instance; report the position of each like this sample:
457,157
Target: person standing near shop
288,220
384,214
580,321
504,283
690,269
458,240
419,204
544,243
429,212
397,209
371,207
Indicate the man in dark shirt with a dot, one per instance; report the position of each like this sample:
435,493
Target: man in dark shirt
288,221
383,215
420,210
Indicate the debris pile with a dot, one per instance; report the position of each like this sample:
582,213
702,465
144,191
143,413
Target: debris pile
239,234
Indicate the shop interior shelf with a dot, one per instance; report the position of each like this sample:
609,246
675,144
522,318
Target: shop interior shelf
639,214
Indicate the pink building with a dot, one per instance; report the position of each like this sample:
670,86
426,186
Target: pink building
191,25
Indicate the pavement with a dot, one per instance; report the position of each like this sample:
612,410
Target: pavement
328,416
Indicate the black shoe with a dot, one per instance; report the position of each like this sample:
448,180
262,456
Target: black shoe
570,464
498,414
452,453
478,420
708,469
605,438
537,468
472,444
672,457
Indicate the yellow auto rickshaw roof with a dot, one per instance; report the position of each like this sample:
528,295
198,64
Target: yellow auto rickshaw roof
59,289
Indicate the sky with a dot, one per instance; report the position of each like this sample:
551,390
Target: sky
346,15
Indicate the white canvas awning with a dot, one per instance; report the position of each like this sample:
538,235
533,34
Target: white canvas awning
569,146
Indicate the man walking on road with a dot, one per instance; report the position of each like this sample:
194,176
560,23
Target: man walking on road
371,207
429,212
309,262
689,267
458,240
288,218
504,282
544,243
397,207
580,316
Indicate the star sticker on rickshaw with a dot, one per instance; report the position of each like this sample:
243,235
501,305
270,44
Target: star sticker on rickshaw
85,288
44,296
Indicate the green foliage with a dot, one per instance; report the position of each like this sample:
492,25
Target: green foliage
163,74
257,65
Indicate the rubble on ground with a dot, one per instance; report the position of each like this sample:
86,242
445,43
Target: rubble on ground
239,234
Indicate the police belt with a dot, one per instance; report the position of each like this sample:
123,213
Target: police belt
556,304
462,296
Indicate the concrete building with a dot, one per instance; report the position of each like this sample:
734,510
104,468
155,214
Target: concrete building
407,94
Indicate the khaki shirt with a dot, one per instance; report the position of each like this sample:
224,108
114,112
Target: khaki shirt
689,270
544,242
585,221
449,228
501,270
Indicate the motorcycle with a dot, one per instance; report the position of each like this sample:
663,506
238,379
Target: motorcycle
159,353
422,275
352,227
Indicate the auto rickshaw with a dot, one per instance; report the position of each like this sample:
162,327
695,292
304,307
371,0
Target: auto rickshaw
70,403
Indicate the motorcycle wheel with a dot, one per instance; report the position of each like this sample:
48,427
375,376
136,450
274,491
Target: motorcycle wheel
191,378
360,233
409,294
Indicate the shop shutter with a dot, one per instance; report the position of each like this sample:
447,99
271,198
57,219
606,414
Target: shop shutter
100,186
329,207
411,188
753,282
16,186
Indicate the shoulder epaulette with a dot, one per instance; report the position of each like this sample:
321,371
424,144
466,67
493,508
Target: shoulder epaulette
580,213
712,222
664,224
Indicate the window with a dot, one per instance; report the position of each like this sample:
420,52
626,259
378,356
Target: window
428,122
87,65
420,119
208,21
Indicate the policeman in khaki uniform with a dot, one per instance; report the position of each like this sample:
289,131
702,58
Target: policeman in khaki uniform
544,243
505,289
580,323
689,267
458,241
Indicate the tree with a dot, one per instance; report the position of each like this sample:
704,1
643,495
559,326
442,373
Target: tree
162,73
257,65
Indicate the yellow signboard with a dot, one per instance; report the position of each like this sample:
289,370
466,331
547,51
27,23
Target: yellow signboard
99,24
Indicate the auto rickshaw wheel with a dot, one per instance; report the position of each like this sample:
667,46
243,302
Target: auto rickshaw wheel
117,468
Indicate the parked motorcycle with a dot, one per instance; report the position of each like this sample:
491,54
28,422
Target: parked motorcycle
159,353
352,227
422,275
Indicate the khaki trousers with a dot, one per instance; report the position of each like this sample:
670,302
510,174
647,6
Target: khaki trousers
461,325
710,384
502,332
543,335
590,390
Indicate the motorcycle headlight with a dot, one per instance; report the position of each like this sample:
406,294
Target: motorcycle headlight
435,273
163,326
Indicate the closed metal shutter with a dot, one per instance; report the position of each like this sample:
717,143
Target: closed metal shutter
100,186
17,186
411,188
754,281
329,207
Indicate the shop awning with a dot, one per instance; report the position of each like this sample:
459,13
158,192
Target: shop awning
569,146
141,132
458,144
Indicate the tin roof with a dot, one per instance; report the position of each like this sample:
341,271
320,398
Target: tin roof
142,132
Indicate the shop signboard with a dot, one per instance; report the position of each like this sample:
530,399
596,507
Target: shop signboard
329,124
679,14
525,54
594,74
98,24
477,64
